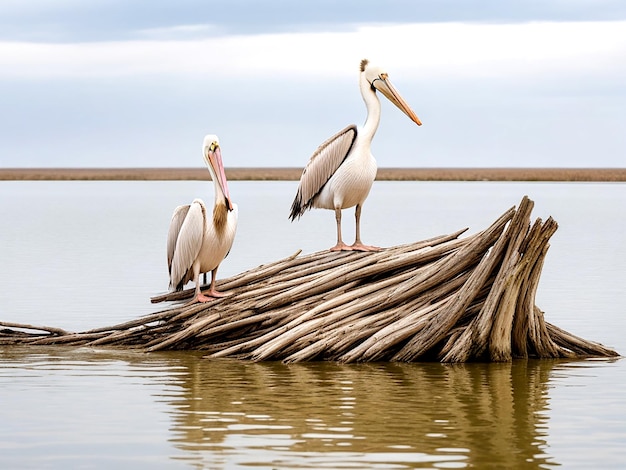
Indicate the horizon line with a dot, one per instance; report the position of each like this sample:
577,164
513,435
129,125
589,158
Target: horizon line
555,174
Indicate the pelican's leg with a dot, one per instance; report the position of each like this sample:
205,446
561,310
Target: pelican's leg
200,297
358,245
212,291
340,244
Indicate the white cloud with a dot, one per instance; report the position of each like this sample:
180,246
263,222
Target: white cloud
180,32
413,49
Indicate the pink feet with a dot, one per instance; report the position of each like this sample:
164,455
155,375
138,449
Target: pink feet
354,247
361,247
341,246
210,295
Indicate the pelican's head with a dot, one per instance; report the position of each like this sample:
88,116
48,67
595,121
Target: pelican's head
378,79
213,157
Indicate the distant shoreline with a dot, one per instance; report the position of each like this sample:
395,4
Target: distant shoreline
293,174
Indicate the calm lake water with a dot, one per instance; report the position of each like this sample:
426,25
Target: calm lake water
79,255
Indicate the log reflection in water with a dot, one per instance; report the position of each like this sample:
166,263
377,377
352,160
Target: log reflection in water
473,414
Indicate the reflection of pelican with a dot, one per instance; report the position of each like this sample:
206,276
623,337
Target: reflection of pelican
341,171
197,243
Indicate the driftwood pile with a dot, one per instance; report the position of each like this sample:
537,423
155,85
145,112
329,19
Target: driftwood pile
449,299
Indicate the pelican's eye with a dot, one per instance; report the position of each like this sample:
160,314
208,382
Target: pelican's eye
380,77
213,147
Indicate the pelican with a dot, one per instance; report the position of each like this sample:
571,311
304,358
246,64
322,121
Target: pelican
196,242
340,173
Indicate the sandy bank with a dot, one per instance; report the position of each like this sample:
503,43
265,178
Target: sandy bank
293,174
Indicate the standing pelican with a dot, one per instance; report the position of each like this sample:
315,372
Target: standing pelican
340,173
197,243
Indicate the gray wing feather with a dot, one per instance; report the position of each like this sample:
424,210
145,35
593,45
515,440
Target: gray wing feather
172,235
322,165
188,243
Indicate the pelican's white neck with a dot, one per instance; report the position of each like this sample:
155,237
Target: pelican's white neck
372,103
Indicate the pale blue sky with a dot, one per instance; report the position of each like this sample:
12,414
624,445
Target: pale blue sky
119,83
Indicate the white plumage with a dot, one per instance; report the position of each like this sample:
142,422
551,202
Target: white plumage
198,242
340,173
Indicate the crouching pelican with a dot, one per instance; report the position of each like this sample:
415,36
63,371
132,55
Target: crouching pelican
340,173
196,242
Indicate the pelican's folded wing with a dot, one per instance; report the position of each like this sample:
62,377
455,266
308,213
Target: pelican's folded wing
172,235
322,165
188,243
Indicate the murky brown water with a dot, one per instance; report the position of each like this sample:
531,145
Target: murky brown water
225,413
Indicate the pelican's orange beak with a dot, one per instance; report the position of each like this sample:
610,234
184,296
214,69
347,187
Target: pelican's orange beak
383,85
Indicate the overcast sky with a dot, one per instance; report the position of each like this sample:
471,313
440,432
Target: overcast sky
123,83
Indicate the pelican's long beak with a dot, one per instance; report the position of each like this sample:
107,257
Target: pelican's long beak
214,157
383,85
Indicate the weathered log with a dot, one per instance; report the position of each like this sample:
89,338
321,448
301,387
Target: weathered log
447,298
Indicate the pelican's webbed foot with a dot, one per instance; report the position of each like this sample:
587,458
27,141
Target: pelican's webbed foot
358,246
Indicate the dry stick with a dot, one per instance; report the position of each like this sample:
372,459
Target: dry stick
446,319
340,258
116,337
182,335
292,266
165,324
49,329
525,313
373,258
256,318
544,346
317,310
536,255
281,317
11,337
152,318
334,341
456,333
441,324
337,327
275,290
191,311
311,268
244,334
98,333
349,337
423,279
446,297
578,345
387,334
500,342
249,276
334,327
238,319
394,333
473,340
500,335
499,307
263,291
500,339
538,339
524,309
72,338
363,269
129,333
